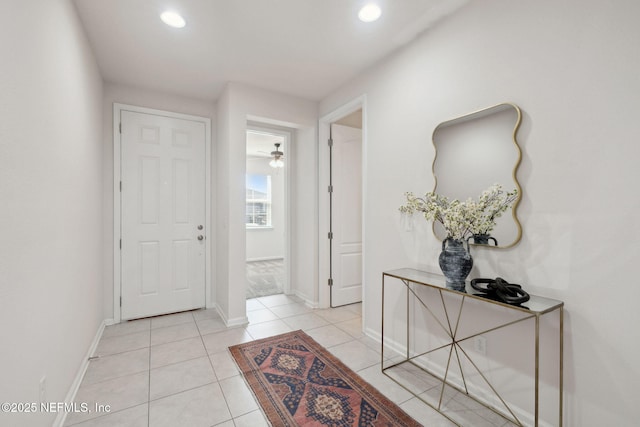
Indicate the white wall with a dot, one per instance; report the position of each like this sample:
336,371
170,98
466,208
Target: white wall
573,68
123,94
51,243
238,104
268,242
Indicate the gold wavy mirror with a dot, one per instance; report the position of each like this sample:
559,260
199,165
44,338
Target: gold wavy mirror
474,152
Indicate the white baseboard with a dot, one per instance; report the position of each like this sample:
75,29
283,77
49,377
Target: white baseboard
71,395
525,417
230,323
309,303
373,334
401,350
266,258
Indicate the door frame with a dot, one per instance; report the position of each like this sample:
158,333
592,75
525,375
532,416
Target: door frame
288,172
117,206
324,126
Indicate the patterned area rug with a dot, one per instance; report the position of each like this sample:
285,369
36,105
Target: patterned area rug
299,383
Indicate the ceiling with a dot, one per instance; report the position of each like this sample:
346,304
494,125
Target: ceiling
304,48
261,144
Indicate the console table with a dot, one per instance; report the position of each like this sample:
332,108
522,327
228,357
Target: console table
433,308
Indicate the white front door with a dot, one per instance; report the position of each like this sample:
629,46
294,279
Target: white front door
346,215
163,253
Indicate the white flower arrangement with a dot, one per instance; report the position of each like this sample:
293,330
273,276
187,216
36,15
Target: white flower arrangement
462,219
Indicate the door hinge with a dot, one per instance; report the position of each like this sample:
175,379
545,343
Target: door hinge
120,243
330,235
121,301
330,142
120,127
330,189
330,281
121,186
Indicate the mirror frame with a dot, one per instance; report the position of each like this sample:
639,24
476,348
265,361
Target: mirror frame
479,115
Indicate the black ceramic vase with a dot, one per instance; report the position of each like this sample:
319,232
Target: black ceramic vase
455,262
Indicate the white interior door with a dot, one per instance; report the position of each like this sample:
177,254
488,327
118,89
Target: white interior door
346,215
163,254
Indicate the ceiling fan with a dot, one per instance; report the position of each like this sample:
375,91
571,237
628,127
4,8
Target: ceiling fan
277,161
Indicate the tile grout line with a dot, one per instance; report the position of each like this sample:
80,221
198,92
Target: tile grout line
331,321
214,372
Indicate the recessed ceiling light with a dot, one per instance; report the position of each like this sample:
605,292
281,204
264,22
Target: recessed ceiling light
369,13
173,19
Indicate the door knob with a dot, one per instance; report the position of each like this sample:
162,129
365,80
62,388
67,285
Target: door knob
200,237
200,227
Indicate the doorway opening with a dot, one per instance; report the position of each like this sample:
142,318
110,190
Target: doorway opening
341,170
345,202
266,211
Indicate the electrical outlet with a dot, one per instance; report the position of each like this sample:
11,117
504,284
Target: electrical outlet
43,389
480,344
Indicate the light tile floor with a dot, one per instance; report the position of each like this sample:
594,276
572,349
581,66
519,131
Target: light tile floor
176,370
